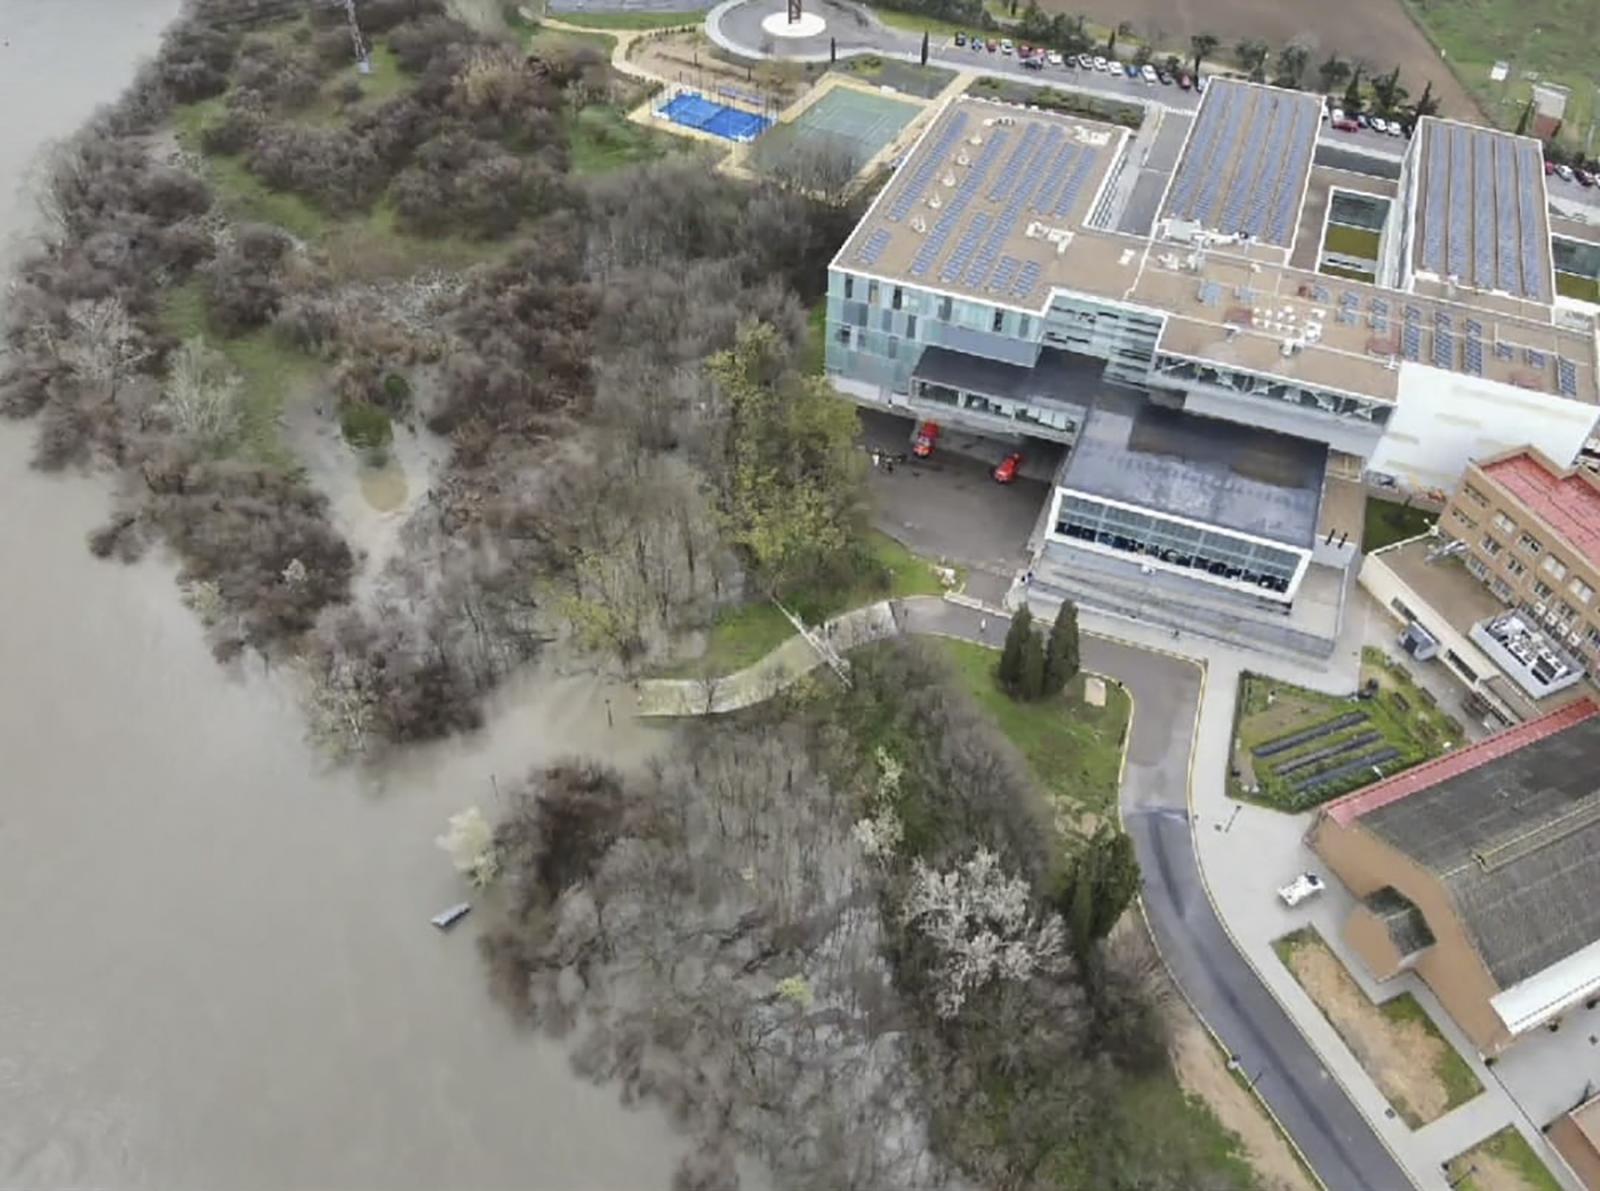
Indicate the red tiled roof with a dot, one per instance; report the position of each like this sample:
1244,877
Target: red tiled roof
1565,501
1346,810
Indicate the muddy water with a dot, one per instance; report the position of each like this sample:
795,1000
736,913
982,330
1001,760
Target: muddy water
215,964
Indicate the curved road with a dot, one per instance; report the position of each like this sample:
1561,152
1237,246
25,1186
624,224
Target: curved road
1217,980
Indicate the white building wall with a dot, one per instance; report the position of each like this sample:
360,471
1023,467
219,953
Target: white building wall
1443,419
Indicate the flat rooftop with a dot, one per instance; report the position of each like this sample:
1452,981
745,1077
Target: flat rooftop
1007,227
973,207
1567,501
1511,827
1481,209
1245,166
1217,473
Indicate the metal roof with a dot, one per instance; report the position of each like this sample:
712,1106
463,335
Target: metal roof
1511,827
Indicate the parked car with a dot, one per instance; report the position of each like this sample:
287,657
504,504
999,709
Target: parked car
1006,471
977,44
1164,78
1086,62
1344,124
1185,82
927,438
1054,58
991,45
1395,129
1131,71
1148,73
1378,124
1201,82
1006,47
1099,62
1363,120
1584,177
1549,168
1564,171
1336,115
1306,885
1034,62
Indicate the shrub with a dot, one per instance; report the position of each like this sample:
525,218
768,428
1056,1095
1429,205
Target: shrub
366,426
396,393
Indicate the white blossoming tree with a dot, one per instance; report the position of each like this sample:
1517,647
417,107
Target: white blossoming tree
470,842
879,834
981,923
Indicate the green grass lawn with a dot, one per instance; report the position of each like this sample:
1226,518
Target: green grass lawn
603,138
1386,523
1557,39
1173,1121
1460,1084
1351,241
1511,1154
913,22
542,39
1075,750
631,20
744,635
1401,713
273,372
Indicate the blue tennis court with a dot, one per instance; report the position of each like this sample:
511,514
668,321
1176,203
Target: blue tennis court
696,111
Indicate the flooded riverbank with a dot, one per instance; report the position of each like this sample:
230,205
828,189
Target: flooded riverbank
218,968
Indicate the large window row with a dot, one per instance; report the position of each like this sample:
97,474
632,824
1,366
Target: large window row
1215,552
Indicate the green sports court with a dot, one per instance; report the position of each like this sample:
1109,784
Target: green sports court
859,121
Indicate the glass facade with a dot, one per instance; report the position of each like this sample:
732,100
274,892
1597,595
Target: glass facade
1213,552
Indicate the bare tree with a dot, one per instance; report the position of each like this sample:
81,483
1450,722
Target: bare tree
202,396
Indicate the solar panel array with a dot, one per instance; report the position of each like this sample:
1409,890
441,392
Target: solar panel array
1480,211
956,204
872,248
1074,184
1530,181
1304,138
931,164
1020,178
1202,144
1026,280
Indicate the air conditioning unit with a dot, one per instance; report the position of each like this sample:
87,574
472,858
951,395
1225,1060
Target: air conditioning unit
1538,609
1574,639
1551,616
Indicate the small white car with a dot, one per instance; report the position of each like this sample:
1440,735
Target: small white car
1053,58
1379,124
1149,73
1006,47
1303,887
1099,62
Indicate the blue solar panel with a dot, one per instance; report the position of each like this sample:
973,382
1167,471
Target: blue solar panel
1011,172
1031,176
1472,357
1026,280
1411,342
872,249
1507,273
957,203
1444,349
1262,141
1530,173
912,191
1055,180
1433,225
1305,137
1003,275
1483,233
1198,159
964,248
1069,192
1211,188
1460,201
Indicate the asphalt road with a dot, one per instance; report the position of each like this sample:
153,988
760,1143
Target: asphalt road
1335,1138
1215,978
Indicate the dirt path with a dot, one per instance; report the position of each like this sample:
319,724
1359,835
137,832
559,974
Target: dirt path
1401,1056
1203,1072
1378,32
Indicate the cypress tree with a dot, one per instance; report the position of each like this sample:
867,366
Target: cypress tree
1030,677
924,47
1061,653
1010,670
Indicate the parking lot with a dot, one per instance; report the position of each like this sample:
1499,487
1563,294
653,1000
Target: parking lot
948,505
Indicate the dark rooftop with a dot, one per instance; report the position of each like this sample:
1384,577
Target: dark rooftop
1514,835
1217,473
